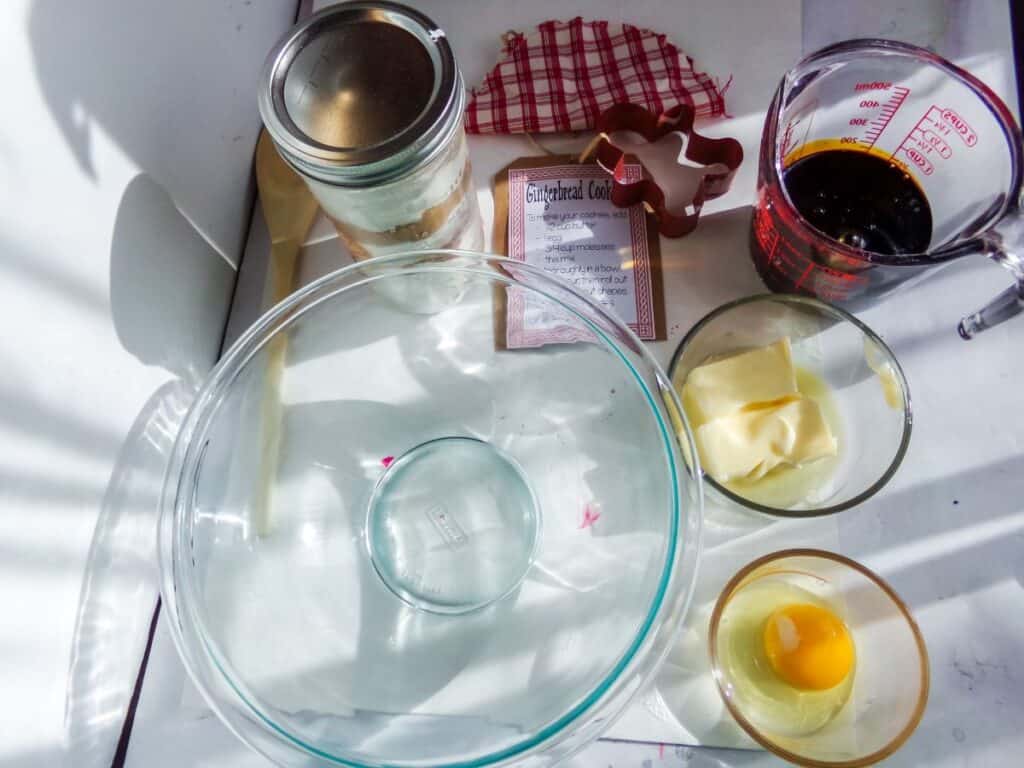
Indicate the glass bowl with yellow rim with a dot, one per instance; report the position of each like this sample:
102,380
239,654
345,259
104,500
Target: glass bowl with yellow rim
772,674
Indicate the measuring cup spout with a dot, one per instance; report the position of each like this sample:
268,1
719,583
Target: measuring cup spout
1004,244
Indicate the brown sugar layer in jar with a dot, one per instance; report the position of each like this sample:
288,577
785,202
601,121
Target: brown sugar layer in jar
430,221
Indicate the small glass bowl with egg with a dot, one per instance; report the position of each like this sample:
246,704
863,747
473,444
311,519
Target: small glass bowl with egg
818,659
798,409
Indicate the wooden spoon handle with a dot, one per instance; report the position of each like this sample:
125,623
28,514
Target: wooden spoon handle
283,259
289,209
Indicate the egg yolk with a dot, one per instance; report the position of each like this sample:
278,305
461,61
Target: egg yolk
808,647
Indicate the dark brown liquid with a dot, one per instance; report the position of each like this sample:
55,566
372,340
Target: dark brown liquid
861,200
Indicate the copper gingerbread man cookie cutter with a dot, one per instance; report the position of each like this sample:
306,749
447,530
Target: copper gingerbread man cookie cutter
714,160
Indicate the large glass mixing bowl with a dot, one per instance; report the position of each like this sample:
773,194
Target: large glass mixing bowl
388,539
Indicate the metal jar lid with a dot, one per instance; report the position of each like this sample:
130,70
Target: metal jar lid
361,93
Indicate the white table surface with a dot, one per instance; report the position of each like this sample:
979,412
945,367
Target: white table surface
948,531
121,227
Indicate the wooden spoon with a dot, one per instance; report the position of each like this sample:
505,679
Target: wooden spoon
289,209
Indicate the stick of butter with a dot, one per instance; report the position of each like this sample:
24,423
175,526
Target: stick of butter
753,441
722,387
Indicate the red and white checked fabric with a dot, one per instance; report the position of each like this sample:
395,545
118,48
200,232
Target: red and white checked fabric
566,73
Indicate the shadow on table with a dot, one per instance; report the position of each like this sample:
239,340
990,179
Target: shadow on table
712,265
946,528
106,75
119,585
165,283
953,548
112,73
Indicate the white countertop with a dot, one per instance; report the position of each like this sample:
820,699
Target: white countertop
948,532
121,227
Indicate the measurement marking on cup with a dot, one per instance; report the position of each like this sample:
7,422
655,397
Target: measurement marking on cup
808,110
767,235
927,142
791,260
886,110
805,275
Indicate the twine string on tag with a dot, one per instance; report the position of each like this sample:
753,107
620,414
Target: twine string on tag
583,157
537,145
591,148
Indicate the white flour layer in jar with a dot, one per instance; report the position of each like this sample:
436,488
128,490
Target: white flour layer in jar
383,210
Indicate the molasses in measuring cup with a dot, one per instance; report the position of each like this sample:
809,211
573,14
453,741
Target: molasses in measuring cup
879,162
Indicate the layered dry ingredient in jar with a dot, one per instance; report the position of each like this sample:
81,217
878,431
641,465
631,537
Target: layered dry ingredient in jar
366,102
434,207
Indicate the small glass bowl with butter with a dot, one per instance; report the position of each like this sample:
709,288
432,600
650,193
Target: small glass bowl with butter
797,407
818,659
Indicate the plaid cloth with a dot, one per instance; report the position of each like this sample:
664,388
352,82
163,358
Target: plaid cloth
561,77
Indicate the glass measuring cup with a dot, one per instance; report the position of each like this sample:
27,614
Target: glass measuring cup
943,128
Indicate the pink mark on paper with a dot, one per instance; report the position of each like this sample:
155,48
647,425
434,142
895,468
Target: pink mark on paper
661,747
386,461
589,517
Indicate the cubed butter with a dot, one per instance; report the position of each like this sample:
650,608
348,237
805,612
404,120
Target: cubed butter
755,440
720,388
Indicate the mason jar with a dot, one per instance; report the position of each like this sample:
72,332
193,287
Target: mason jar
365,101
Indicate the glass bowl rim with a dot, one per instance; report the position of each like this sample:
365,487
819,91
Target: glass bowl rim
680,556
822,307
716,670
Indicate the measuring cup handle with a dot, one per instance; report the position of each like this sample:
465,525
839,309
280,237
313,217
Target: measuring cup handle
1004,306
1005,246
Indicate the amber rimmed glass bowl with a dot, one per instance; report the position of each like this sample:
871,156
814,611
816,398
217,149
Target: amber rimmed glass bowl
891,673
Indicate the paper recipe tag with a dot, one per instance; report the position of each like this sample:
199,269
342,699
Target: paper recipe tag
560,218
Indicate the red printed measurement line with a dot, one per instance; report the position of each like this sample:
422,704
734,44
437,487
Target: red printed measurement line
767,235
924,141
885,115
805,275
795,265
